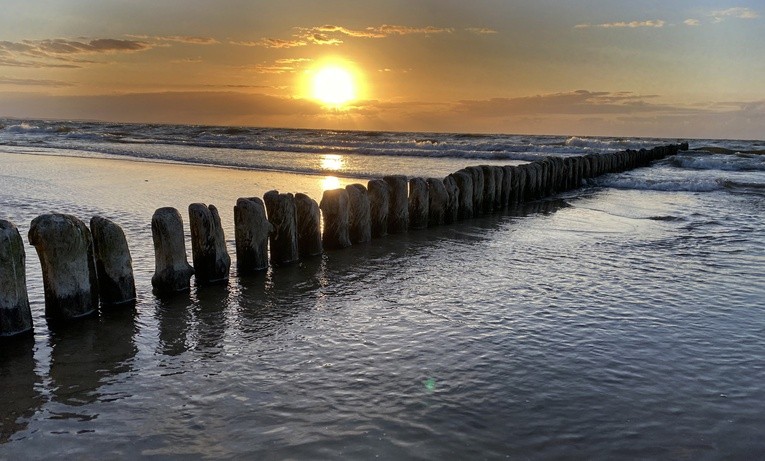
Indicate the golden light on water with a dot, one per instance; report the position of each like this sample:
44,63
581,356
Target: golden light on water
332,162
330,182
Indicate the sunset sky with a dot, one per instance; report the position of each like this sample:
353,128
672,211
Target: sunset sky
675,68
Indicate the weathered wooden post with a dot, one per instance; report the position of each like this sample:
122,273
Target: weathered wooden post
451,214
208,245
438,199
336,212
65,248
15,314
499,178
283,216
464,182
308,226
172,270
489,188
520,183
418,203
398,214
251,231
508,190
114,265
379,206
476,174
360,214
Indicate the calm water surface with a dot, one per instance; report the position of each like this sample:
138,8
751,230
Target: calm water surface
614,322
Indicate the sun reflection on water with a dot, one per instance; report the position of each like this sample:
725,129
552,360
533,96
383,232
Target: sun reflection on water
330,182
332,162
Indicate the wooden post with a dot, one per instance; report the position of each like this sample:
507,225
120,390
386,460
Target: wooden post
438,199
336,211
464,182
418,203
114,265
15,314
453,200
251,231
283,216
172,270
379,207
308,226
398,214
65,248
360,214
208,245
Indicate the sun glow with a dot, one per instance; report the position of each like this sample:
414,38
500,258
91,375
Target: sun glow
334,83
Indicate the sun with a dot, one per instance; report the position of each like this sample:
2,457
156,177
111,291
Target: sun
333,86
334,83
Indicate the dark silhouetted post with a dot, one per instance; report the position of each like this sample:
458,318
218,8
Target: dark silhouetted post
172,270
15,314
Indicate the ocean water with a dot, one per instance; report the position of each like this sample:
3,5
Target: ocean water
621,320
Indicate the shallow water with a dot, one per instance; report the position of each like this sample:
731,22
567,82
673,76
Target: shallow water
611,322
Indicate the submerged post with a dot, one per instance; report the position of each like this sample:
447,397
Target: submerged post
379,206
114,265
418,203
15,314
208,245
335,209
308,226
398,214
282,215
65,248
172,271
360,213
251,231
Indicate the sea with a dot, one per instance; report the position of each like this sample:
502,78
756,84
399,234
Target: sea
621,320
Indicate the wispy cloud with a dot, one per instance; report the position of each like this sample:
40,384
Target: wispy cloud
187,39
32,82
330,34
18,54
574,102
481,31
271,43
622,24
737,12
280,66
692,22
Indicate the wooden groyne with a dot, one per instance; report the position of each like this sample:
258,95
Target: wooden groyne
87,267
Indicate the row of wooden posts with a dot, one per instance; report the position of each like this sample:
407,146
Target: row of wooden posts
82,267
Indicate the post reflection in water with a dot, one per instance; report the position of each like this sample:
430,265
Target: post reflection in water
210,311
174,316
265,301
88,354
20,398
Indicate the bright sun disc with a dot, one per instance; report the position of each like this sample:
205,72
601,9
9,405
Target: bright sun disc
333,85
